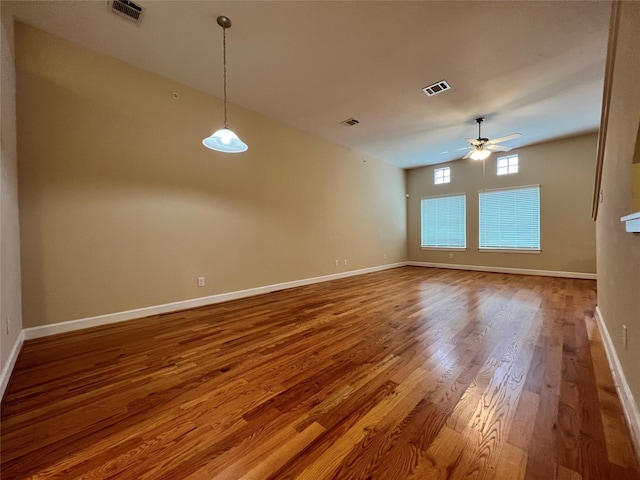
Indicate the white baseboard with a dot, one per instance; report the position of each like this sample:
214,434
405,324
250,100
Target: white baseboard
69,326
79,324
11,362
629,404
516,271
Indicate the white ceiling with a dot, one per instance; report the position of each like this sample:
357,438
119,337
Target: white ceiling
531,67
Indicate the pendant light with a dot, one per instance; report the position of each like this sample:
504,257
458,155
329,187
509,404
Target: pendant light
224,140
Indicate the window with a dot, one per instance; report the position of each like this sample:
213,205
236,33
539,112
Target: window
444,222
510,219
442,175
507,165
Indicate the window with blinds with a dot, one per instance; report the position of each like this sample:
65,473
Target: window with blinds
444,222
510,219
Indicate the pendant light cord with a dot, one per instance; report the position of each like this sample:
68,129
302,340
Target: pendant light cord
224,70
223,139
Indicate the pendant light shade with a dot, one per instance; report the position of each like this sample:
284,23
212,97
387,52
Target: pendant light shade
224,140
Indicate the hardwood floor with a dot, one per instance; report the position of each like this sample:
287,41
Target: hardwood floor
410,373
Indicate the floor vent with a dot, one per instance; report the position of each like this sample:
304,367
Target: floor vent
350,122
127,9
436,88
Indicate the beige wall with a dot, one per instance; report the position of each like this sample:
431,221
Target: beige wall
564,169
619,251
10,301
122,207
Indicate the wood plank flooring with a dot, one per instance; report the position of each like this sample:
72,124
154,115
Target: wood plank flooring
410,373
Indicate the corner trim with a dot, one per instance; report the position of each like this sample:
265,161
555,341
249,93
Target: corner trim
79,324
629,405
516,271
612,45
11,362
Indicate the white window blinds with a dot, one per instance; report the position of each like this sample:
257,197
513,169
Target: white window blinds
510,219
444,222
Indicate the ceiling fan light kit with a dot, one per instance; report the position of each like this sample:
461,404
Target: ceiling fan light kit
479,154
225,140
481,147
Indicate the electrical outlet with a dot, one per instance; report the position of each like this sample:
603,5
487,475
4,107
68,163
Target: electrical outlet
201,281
451,255
385,256
337,263
624,336
345,262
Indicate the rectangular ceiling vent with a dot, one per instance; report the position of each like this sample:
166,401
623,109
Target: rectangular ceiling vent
350,122
127,9
436,88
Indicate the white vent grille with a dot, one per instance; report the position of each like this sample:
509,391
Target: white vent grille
350,122
127,9
436,88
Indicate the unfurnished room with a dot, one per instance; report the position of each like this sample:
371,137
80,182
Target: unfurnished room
320,240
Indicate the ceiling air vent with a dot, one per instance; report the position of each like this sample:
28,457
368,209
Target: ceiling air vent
436,88
127,9
350,122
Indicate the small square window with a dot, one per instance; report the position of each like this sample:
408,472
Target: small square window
442,175
507,165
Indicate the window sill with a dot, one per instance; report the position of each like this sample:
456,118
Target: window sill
445,249
509,250
632,222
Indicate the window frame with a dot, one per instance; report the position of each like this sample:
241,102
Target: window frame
445,177
508,166
463,223
518,249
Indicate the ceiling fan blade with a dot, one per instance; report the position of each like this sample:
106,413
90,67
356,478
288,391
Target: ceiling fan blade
456,150
469,153
473,141
498,148
505,138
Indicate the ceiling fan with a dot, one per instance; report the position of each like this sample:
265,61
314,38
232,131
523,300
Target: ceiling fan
481,148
